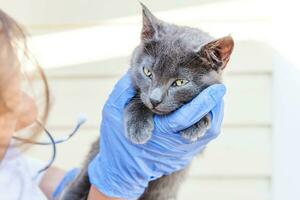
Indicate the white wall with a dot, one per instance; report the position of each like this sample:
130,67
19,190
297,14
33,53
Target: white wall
286,137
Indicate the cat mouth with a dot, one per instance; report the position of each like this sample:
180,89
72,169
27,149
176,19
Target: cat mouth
159,112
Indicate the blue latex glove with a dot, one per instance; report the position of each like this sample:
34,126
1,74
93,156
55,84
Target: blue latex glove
123,169
66,180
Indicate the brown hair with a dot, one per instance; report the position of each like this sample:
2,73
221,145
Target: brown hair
16,37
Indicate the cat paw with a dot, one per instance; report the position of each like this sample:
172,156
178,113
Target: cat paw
196,131
139,132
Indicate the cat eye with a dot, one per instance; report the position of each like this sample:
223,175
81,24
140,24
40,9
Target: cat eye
179,82
147,72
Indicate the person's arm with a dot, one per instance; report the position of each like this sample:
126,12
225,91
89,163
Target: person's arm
95,194
50,180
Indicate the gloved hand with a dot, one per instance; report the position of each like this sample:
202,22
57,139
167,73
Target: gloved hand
123,169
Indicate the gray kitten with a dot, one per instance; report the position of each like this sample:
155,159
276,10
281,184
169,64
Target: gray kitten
171,65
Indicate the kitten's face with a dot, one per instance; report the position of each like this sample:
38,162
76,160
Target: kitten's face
168,76
173,64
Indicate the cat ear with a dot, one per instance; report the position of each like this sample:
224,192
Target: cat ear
218,52
150,25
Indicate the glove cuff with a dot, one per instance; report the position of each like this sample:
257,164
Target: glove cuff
102,177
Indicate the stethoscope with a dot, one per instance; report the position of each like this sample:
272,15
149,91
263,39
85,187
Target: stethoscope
53,142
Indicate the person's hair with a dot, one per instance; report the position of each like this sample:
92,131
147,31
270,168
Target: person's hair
16,37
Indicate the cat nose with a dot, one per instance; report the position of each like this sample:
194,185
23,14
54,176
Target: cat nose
156,97
155,102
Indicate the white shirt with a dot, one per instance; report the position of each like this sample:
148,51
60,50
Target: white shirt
18,177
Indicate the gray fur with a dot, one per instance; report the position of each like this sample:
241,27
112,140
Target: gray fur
169,52
138,120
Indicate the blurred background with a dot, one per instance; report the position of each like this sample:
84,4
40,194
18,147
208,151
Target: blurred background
84,47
